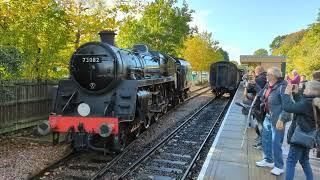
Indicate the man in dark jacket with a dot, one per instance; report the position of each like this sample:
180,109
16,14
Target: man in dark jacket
303,117
260,81
260,78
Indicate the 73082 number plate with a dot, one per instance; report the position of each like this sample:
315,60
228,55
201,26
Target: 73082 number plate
91,60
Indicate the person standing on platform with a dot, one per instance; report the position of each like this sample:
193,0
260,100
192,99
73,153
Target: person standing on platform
296,78
303,117
316,75
297,90
272,138
260,83
302,84
260,78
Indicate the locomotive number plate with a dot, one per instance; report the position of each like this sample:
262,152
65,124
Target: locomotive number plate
91,60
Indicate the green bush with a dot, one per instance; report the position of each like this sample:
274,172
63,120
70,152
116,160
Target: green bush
10,62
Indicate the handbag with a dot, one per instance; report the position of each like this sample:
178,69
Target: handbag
305,139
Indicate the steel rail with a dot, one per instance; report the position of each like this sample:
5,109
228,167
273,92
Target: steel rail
135,164
113,161
206,139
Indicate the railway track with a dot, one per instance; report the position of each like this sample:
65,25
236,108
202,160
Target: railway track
174,156
77,165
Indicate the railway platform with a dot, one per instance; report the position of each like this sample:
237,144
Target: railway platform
232,155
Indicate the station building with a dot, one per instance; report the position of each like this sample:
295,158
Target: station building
264,61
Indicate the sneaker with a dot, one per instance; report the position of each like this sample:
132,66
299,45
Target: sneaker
277,171
264,163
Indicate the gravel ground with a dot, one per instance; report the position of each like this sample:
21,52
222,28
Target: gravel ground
20,158
194,88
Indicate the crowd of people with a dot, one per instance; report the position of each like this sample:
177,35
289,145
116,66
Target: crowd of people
277,100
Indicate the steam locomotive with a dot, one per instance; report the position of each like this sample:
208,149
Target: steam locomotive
113,93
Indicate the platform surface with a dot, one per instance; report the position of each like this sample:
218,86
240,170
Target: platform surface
232,156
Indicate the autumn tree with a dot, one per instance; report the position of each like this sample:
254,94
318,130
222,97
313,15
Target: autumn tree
46,32
305,55
302,49
288,43
261,52
201,50
277,42
86,18
37,28
163,26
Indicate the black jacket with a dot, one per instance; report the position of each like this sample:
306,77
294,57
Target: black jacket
261,81
302,113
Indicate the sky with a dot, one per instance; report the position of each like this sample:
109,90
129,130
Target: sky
243,26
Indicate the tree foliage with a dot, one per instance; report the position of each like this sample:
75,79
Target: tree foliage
235,62
37,29
302,50
200,50
163,26
37,37
289,42
224,54
46,32
10,62
277,42
261,52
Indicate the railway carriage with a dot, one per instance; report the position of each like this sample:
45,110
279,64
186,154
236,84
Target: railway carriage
224,77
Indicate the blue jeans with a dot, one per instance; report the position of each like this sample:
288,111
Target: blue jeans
301,154
272,139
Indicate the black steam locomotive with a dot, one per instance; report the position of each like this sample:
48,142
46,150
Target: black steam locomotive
115,92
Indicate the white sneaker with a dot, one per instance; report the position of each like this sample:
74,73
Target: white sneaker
276,171
264,163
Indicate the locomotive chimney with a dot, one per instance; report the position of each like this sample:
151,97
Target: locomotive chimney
107,36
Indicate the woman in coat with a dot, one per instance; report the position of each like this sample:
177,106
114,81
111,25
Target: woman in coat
302,117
